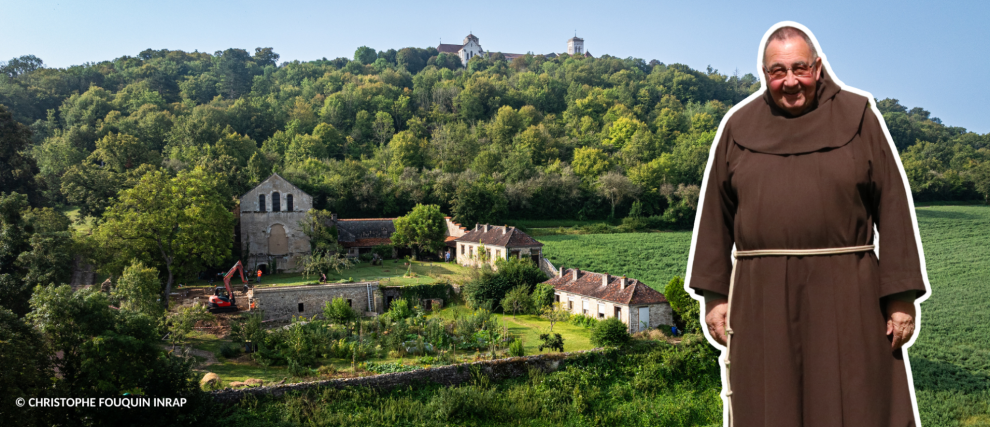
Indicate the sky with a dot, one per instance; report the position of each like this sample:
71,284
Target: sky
934,56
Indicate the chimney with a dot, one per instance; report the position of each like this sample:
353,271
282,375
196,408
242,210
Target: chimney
487,227
504,228
623,282
560,273
605,279
333,217
575,273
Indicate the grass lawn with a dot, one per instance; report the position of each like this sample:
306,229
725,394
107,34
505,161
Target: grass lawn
389,274
528,327
80,226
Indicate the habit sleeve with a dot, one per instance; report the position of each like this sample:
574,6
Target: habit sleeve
900,266
712,252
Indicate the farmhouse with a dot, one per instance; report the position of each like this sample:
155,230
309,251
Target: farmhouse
601,295
360,235
488,243
270,233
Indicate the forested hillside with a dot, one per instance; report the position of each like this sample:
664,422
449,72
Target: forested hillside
567,137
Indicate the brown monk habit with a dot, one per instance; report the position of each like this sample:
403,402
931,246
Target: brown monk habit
809,345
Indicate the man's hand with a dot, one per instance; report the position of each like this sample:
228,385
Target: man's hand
900,322
715,318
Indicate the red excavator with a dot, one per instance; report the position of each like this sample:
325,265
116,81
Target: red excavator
222,300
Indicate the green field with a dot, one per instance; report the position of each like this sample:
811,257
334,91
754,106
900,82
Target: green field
951,358
653,258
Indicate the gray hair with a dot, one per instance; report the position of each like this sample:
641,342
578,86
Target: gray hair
786,33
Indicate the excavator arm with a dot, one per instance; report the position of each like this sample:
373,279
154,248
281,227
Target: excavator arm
226,278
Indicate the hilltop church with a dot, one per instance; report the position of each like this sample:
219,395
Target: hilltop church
471,47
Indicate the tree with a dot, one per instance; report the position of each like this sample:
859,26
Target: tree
590,163
265,56
517,300
365,55
554,313
139,289
383,127
480,201
491,286
318,226
107,352
424,227
683,305
542,296
17,169
14,239
615,187
24,368
233,67
179,225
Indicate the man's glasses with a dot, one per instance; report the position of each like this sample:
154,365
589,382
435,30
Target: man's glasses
800,70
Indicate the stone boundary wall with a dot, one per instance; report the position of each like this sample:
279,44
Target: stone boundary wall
448,375
283,302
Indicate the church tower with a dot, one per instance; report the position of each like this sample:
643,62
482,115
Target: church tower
575,46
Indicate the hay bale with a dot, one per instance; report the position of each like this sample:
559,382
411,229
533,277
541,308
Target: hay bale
210,381
253,382
237,384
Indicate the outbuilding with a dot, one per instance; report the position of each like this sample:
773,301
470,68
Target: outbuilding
601,295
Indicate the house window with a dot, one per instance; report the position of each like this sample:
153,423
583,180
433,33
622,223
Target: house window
498,253
601,311
618,313
584,307
300,307
349,303
570,305
556,297
288,203
276,203
471,251
261,203
462,249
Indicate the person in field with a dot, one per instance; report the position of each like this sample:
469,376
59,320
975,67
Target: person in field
813,320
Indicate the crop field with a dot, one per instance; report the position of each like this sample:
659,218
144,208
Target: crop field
653,258
951,357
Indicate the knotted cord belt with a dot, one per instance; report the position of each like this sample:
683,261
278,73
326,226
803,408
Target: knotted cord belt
732,279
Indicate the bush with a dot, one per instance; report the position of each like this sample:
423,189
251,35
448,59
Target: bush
338,311
400,309
516,348
491,286
583,320
610,332
685,307
366,257
552,342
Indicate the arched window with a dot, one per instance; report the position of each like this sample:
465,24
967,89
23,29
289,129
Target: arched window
276,203
288,203
261,203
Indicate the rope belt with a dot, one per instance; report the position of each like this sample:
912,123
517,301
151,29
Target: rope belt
732,279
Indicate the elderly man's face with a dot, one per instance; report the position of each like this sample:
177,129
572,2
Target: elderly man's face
791,93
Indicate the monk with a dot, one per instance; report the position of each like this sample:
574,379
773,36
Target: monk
813,320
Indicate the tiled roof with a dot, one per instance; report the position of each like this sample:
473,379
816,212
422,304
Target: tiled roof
350,230
494,235
590,284
366,243
449,48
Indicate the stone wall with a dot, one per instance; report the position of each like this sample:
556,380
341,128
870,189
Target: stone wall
285,301
266,234
445,375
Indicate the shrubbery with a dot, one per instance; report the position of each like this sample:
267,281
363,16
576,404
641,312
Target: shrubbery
609,332
490,287
338,311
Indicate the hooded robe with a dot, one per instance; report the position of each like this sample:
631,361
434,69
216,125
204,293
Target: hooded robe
809,346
